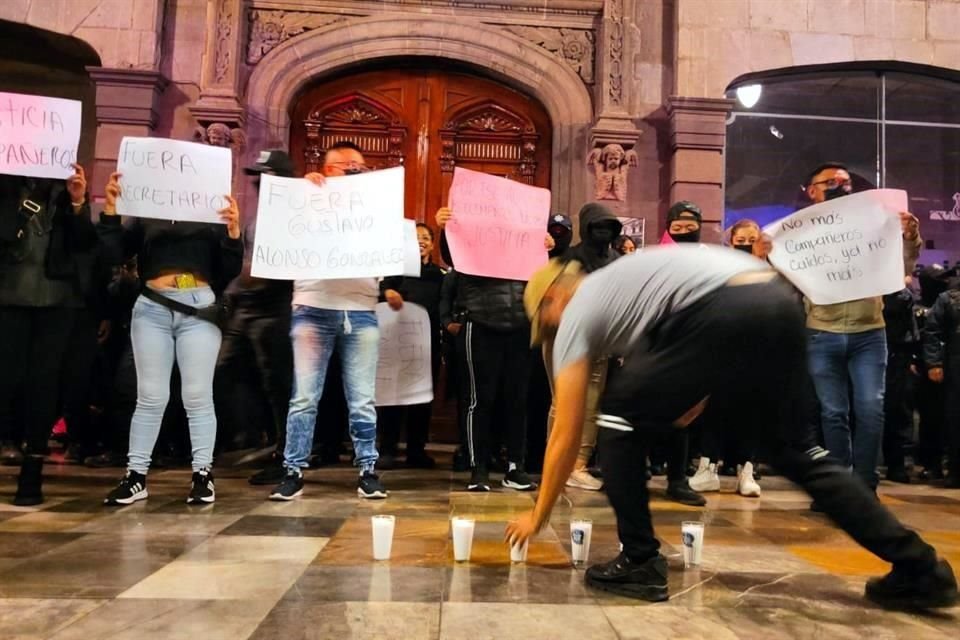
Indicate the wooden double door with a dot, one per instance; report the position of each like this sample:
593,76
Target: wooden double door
430,120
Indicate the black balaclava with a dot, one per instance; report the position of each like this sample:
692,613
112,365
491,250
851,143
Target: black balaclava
560,229
746,248
684,210
838,191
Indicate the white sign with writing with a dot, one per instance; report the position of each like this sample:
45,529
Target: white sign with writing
173,180
404,371
411,250
351,227
843,249
39,136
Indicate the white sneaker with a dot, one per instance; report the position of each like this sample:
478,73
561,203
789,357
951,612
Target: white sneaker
581,479
706,478
746,485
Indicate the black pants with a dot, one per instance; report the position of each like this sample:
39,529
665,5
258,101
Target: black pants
489,358
930,405
747,343
32,348
256,356
78,380
897,409
672,447
416,418
951,416
538,410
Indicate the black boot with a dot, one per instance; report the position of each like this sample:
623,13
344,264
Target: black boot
933,589
30,482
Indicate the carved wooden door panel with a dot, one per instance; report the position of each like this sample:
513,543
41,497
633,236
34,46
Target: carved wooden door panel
430,120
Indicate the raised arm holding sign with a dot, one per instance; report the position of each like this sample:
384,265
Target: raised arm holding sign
843,249
498,225
173,180
351,227
39,136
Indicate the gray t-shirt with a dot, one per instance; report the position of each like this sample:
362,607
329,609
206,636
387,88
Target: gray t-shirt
613,308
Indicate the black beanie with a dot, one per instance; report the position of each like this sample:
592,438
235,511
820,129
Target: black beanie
684,206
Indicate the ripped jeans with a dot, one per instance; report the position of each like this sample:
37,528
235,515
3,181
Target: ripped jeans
316,334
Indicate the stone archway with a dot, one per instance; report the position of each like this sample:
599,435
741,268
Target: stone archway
278,78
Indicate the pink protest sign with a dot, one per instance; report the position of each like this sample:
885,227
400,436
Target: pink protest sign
498,226
38,135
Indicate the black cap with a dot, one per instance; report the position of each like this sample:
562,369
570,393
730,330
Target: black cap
274,161
562,220
684,206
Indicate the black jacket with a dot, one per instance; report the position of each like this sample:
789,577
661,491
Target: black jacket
492,302
593,255
901,320
46,257
424,291
941,333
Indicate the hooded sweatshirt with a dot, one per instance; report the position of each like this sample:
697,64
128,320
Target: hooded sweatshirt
594,252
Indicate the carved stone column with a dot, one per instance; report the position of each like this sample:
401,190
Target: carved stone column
614,123
698,133
126,106
220,78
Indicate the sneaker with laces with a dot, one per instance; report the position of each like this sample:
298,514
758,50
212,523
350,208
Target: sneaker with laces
202,490
644,581
933,589
370,487
131,489
746,485
516,478
479,480
706,478
290,488
581,479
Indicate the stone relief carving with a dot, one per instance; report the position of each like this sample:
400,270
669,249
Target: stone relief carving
575,46
224,31
616,52
219,134
269,28
611,164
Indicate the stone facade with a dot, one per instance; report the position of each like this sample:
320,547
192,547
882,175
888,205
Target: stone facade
644,77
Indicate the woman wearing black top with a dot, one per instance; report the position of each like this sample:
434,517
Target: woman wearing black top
184,262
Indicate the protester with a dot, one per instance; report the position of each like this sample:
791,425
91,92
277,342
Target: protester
182,264
624,245
329,316
687,325
903,346
496,338
942,356
256,339
848,351
561,230
46,243
930,395
684,220
424,291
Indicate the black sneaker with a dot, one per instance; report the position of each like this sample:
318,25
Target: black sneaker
202,490
290,487
370,486
936,589
898,474
682,493
273,473
517,479
479,480
646,581
131,489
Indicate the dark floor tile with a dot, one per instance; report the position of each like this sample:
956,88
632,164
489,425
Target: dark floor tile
284,526
515,583
370,583
28,545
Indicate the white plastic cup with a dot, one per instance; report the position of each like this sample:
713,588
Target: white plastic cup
382,536
462,531
581,532
518,553
691,535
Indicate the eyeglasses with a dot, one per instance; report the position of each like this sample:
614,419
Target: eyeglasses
349,164
833,183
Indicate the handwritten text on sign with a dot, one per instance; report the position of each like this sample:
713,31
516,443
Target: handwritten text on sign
411,252
403,370
38,135
351,227
498,225
173,180
843,249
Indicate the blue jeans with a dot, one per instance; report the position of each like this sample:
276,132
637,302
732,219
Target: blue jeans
316,333
841,363
160,337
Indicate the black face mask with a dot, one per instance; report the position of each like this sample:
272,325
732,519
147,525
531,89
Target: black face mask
602,235
746,248
351,171
837,192
690,236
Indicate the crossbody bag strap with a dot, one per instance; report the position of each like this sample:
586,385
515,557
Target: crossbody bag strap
173,305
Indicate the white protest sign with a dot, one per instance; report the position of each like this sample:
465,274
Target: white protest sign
39,136
411,250
404,374
173,180
843,249
351,227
